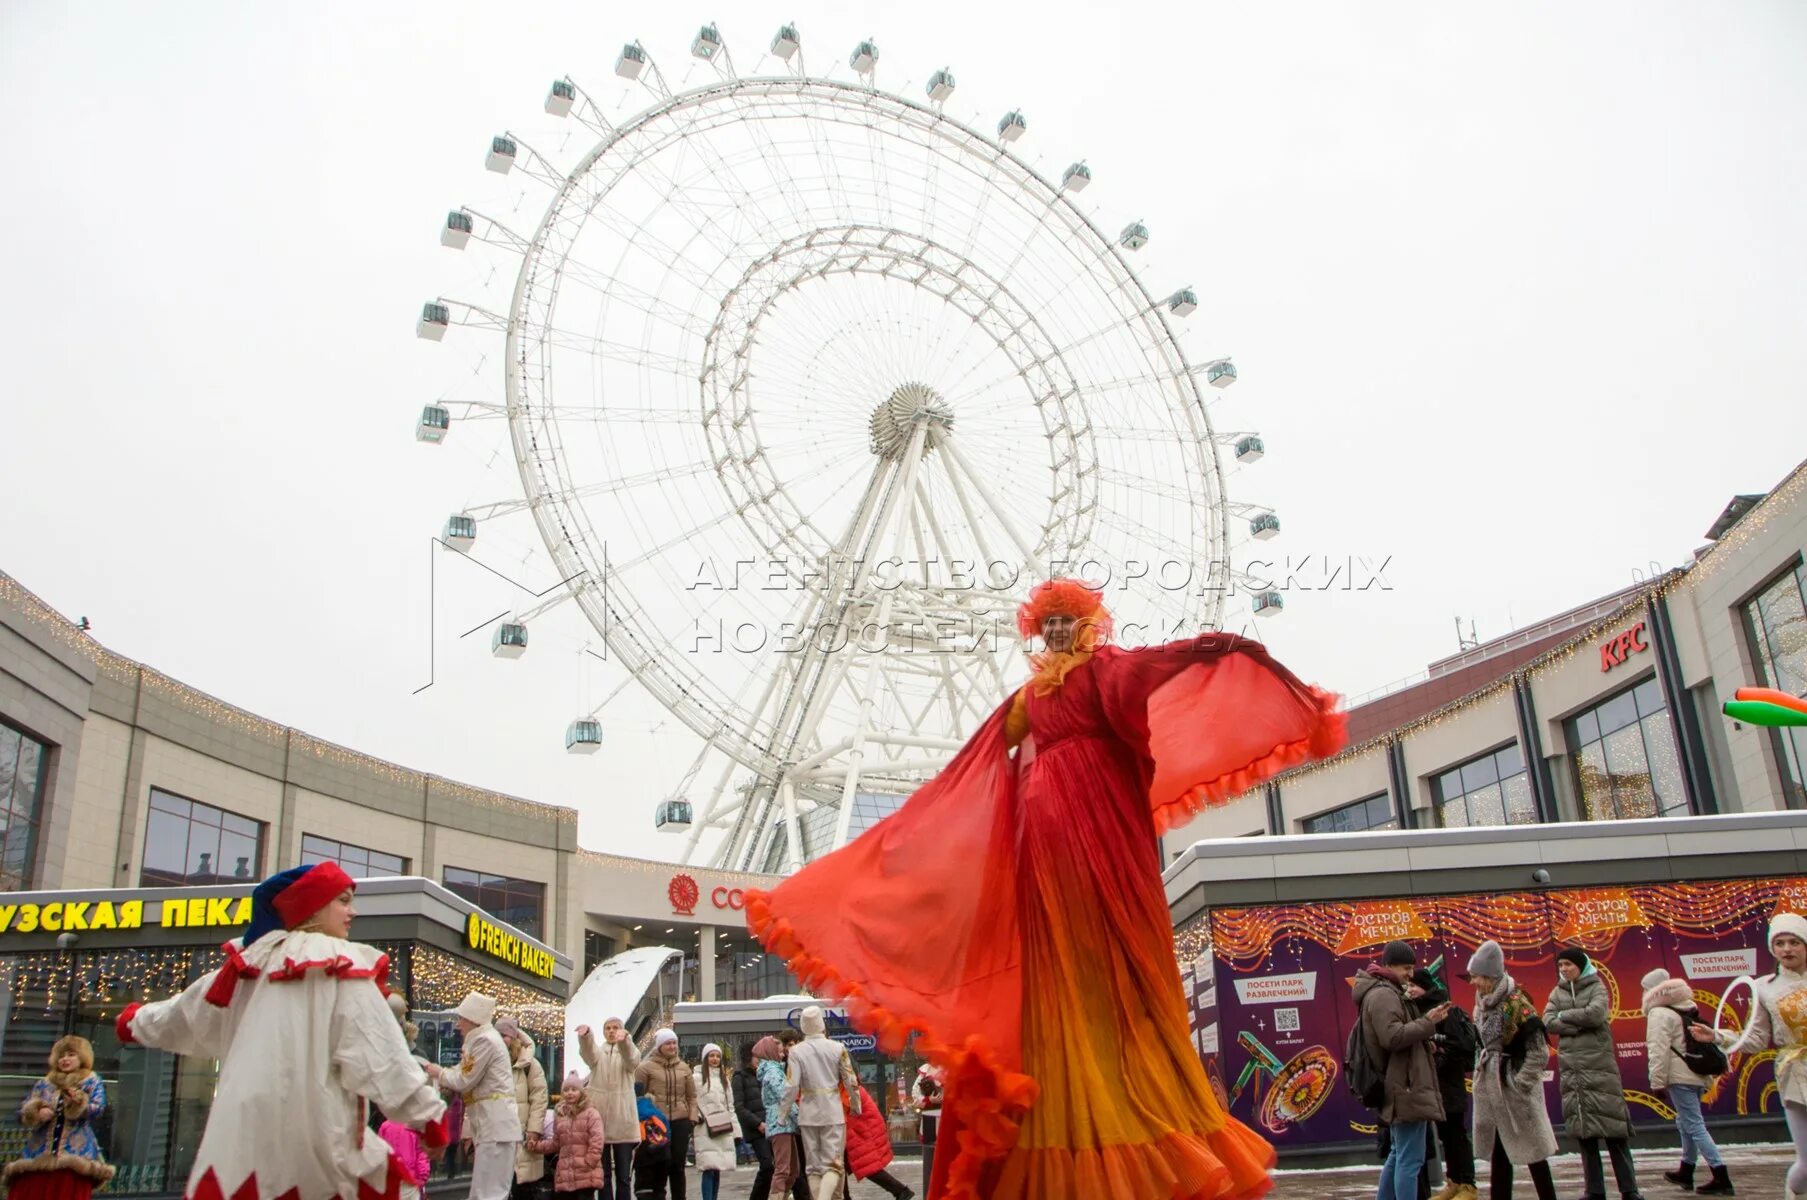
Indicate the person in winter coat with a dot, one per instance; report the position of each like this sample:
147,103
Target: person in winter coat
577,1139
61,1159
717,1127
929,1086
1587,1067
869,1146
530,1098
1779,1021
1403,1044
673,1089
612,1067
819,1075
780,1125
749,1110
1455,1044
295,1001
484,1076
1511,1122
652,1157
411,1153
1668,1010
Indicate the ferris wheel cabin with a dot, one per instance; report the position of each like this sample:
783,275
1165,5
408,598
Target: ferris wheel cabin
864,57
509,640
435,423
672,816
1267,604
457,231
460,531
631,62
941,85
1264,526
562,96
434,319
1183,303
1250,449
1134,236
501,155
1075,177
1012,125
583,736
1221,374
785,42
707,43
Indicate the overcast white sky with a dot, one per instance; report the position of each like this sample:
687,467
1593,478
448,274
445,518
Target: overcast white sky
1518,299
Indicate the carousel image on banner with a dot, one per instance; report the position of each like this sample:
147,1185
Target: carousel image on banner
1282,1003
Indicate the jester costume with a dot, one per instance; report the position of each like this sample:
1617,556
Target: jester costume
1011,915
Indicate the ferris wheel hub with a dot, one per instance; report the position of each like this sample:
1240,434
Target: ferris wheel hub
895,420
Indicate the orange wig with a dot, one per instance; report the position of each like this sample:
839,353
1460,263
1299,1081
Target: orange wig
1063,597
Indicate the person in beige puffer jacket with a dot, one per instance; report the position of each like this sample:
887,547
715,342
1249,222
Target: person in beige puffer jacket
530,1098
1668,1009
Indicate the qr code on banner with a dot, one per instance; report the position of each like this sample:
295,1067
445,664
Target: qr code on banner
1286,1020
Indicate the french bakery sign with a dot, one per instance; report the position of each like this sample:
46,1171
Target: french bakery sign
1616,651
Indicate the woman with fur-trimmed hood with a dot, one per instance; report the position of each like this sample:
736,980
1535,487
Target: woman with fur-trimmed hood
1668,1009
61,1159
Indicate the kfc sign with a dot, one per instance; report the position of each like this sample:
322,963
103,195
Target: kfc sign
1616,650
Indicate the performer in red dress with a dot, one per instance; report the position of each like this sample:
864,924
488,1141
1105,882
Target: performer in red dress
1011,914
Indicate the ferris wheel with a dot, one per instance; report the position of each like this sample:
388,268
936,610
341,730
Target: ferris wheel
807,382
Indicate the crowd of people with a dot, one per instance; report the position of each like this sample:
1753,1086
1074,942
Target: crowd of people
1419,1047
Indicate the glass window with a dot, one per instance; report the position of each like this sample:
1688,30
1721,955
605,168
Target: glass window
1490,790
187,842
1626,764
1374,812
1776,624
517,901
358,862
24,766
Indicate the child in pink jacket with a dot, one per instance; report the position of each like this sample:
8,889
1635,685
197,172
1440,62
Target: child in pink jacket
577,1140
411,1153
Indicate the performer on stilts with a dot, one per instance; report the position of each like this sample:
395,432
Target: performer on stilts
1011,914
304,1037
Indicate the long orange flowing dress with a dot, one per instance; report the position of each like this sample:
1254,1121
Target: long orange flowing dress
1011,915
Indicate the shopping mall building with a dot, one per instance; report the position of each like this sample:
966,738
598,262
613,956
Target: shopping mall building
1610,711
137,811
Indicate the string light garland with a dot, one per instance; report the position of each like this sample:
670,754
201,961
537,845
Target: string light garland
438,982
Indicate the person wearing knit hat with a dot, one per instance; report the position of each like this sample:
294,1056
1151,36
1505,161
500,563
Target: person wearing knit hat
673,1089
820,1073
1778,1021
295,1000
576,1137
718,1127
1579,1013
1668,1009
1454,1045
1400,1044
484,1076
1511,1121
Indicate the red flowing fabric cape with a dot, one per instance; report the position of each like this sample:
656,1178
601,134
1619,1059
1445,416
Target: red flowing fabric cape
913,927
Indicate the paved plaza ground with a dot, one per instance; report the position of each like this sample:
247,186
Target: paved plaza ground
1757,1171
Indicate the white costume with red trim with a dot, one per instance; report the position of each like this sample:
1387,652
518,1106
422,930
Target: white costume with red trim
299,1024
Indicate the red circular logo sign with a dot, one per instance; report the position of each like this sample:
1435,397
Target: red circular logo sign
684,894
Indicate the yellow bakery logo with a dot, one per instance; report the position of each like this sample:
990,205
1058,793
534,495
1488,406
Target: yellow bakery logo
497,942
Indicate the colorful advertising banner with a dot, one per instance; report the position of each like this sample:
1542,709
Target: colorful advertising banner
1281,1004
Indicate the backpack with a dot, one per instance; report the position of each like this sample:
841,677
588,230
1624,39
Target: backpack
1367,1080
1705,1059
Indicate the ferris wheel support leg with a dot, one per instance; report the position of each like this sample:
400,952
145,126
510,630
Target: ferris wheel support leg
1024,547
793,836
